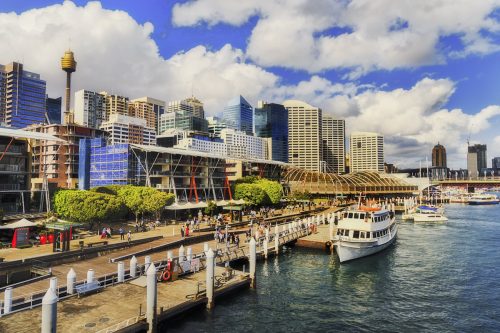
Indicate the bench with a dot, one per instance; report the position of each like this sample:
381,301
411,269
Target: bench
97,243
88,288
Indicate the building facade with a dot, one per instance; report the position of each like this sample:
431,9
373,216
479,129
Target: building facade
476,160
203,144
144,111
305,142
271,121
22,97
238,115
14,174
157,106
183,121
125,129
53,107
241,145
366,152
495,163
333,134
215,126
89,108
190,105
439,156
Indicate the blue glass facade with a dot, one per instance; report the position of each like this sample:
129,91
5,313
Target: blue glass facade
238,115
24,97
54,110
102,164
271,121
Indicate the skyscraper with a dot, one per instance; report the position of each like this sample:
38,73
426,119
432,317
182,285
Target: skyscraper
271,121
22,96
305,143
125,129
90,108
53,106
143,110
238,115
439,156
191,105
366,152
334,144
476,159
157,105
115,104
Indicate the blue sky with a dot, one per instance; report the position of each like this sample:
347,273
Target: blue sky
386,72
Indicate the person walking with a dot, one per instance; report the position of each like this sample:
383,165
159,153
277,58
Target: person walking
122,234
129,237
182,231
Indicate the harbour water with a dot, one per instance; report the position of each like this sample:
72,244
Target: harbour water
436,278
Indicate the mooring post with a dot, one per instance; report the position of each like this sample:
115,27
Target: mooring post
53,285
181,253
49,312
70,281
121,272
205,247
189,253
133,267
253,259
330,231
266,245
276,242
147,263
210,278
90,276
151,298
7,303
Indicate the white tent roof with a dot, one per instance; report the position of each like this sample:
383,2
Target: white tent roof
19,224
21,134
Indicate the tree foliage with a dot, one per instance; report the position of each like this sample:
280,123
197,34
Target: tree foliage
251,193
266,191
144,200
274,190
211,207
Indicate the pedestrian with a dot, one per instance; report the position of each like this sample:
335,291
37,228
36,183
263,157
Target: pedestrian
129,236
182,231
237,241
122,234
187,231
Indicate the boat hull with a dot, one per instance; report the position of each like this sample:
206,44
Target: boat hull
477,203
424,218
348,251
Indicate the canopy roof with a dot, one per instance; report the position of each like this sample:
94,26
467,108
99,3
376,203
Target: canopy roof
23,223
21,134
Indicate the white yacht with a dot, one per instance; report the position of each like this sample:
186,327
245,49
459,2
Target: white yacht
483,199
363,232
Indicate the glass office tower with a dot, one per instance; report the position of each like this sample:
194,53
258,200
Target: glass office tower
238,115
271,121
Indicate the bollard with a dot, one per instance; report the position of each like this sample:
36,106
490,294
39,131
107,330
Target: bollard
90,276
170,255
181,253
330,231
266,244
210,277
121,272
49,312
7,306
133,267
70,281
53,285
189,253
147,263
267,234
253,259
151,298
205,247
276,244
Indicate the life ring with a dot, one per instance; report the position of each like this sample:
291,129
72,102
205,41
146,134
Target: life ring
166,275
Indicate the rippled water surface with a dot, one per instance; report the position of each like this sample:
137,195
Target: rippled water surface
436,278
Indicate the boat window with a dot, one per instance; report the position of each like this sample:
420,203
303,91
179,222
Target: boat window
356,215
368,234
362,215
350,215
355,234
339,232
362,234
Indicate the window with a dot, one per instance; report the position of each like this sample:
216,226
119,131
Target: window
356,215
368,234
350,215
355,234
362,234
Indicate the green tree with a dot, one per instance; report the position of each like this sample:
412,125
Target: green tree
211,207
251,193
142,200
273,189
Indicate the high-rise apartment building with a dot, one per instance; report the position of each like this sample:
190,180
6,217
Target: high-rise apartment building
143,110
238,115
90,108
157,105
241,145
366,152
190,105
305,145
53,106
439,156
22,96
271,121
125,129
115,104
476,159
215,125
333,133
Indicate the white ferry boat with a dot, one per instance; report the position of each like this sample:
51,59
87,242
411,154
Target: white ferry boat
483,199
363,232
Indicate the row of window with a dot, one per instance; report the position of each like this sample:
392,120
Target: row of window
356,234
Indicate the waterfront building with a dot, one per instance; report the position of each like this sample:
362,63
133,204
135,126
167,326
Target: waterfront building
183,120
157,105
366,152
241,145
190,105
476,159
53,107
22,96
90,108
58,161
333,134
495,163
271,121
125,129
439,156
143,110
305,142
238,115
215,125
202,144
